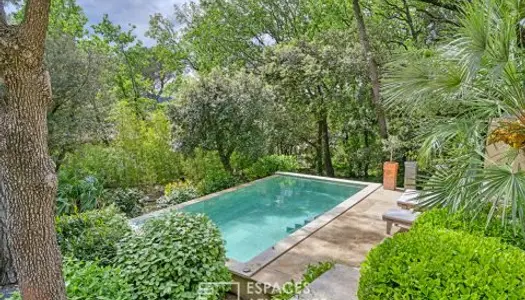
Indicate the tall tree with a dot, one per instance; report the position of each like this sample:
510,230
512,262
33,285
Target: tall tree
222,113
27,178
373,68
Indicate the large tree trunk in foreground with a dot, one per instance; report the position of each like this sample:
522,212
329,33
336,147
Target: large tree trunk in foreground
27,176
29,184
373,69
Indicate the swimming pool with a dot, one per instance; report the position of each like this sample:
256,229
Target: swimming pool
254,218
264,219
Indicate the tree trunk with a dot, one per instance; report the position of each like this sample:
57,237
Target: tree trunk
410,21
29,184
373,69
327,156
7,269
367,149
319,149
28,181
225,160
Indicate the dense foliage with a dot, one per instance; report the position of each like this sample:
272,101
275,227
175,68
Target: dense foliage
477,224
471,92
128,201
87,280
178,192
268,165
172,255
442,264
221,112
93,235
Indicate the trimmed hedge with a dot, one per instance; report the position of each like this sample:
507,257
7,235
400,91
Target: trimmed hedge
442,218
442,264
172,255
93,235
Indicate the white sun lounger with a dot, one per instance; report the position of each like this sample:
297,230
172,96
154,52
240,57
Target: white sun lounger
408,200
400,217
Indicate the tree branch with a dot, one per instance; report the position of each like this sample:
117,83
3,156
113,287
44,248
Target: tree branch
437,18
439,3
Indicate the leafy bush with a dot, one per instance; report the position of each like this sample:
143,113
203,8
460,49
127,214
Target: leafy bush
78,195
87,280
139,155
290,289
203,162
129,201
476,225
172,255
217,181
268,165
178,192
442,264
93,235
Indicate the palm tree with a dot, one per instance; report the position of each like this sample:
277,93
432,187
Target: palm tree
476,78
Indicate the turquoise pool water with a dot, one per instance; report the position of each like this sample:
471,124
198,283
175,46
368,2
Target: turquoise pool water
256,217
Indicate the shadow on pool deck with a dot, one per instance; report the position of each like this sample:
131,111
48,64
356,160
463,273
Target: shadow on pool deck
346,240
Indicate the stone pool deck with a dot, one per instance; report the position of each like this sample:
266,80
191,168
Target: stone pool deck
346,240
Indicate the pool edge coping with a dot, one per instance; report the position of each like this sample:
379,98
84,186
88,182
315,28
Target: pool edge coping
259,262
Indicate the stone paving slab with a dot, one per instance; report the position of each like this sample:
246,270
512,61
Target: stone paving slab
339,283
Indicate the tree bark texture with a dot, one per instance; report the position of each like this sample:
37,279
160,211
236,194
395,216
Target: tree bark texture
373,69
327,156
28,181
319,149
7,269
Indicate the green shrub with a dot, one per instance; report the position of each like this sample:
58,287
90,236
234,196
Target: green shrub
172,255
140,154
290,289
87,280
129,201
93,235
268,165
178,192
78,195
203,162
442,264
217,181
442,218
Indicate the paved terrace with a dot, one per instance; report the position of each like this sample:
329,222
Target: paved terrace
346,240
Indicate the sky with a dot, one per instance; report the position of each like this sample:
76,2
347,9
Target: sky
123,12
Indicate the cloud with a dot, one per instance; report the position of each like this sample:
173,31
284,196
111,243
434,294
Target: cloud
125,12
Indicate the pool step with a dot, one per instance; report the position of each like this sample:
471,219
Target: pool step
295,228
